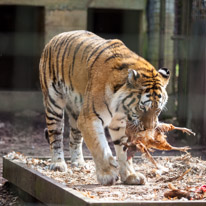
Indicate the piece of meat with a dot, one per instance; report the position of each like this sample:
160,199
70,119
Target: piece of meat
151,138
177,194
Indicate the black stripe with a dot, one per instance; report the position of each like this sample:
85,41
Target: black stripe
55,146
81,99
123,66
108,108
67,43
117,87
132,101
75,131
87,95
158,84
125,109
63,37
148,77
46,134
54,102
57,57
69,39
74,116
50,123
155,76
148,81
40,76
117,142
154,87
148,85
95,50
72,41
54,132
63,57
53,71
116,44
98,116
75,100
56,43
129,117
117,108
76,50
146,70
70,80
50,69
52,118
90,44
128,96
55,89
114,56
84,52
146,101
157,88
44,68
51,111
151,83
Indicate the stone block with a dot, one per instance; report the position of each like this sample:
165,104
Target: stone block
57,21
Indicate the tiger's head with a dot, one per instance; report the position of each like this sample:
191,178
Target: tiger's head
144,96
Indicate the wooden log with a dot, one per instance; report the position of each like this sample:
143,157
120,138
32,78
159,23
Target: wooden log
52,193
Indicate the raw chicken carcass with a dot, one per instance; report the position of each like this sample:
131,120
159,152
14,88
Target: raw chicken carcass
151,138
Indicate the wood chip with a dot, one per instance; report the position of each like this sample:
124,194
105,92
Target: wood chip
83,179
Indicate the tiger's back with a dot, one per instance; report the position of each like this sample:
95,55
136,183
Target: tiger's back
71,58
99,83
67,59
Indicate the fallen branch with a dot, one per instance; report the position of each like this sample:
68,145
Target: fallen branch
180,177
171,179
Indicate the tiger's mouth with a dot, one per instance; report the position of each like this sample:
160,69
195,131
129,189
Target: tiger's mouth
146,120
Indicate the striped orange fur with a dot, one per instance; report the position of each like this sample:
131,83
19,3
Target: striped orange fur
99,83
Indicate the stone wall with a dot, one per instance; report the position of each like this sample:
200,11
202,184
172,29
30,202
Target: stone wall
60,16
67,15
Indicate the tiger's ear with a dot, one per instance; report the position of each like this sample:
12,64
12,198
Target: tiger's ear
165,74
133,75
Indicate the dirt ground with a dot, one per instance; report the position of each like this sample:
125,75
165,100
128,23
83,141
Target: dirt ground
24,132
179,178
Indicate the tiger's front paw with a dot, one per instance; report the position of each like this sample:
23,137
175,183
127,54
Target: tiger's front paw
107,174
135,179
59,166
77,163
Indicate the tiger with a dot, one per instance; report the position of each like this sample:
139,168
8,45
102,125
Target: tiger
99,84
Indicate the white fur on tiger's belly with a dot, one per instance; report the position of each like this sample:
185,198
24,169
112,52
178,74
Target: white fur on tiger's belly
75,101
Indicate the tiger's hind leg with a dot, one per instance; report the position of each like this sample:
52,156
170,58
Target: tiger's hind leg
54,108
75,142
127,173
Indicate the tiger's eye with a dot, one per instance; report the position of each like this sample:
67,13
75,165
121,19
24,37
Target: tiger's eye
147,90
